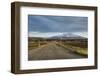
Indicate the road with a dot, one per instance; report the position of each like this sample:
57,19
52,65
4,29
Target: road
52,51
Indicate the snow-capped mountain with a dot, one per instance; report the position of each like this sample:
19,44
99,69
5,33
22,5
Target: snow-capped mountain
67,36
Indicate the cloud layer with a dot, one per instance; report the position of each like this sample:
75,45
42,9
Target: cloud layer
46,24
50,34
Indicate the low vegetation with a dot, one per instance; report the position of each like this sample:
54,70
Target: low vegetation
79,47
35,44
79,50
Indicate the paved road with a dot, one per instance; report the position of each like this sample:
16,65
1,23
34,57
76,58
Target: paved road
52,51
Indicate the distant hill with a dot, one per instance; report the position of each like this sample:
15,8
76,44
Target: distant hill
68,36
64,36
35,38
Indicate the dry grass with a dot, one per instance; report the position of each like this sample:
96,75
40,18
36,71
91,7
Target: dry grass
77,47
33,45
79,50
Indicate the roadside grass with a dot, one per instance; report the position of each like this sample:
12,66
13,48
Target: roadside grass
75,46
34,45
82,51
78,50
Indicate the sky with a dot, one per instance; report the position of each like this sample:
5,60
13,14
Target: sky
46,26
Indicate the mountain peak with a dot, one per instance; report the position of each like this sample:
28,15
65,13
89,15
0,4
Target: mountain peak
67,35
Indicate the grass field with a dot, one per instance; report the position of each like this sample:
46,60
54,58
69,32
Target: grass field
79,47
76,49
35,44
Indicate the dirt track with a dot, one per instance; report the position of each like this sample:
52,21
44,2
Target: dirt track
52,51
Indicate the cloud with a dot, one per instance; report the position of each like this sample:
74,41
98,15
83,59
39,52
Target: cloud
50,34
83,34
39,34
57,23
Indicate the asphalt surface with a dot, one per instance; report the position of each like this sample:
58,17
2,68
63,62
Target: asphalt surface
52,51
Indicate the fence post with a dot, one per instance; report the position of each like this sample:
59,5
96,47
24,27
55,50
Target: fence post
39,43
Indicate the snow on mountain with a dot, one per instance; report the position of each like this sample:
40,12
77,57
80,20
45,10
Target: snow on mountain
68,35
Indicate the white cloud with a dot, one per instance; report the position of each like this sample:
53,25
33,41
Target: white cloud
83,34
49,34
39,34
